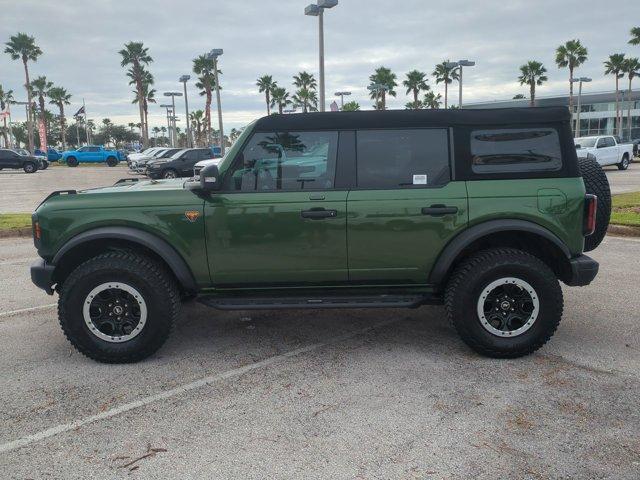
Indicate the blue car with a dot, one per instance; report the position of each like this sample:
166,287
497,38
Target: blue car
52,154
92,154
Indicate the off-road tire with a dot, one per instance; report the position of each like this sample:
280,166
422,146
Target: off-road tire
155,284
596,183
112,162
476,273
72,161
30,167
624,163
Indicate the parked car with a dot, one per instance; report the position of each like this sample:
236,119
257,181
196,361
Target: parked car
10,159
140,166
92,154
52,154
180,164
205,163
606,149
41,159
145,153
338,210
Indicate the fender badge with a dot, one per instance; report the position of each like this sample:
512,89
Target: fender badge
192,215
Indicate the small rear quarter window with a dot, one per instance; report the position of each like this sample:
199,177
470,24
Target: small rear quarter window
515,150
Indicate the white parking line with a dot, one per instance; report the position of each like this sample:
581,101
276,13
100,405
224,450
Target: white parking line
25,310
203,382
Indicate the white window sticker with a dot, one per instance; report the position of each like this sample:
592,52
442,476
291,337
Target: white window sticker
419,179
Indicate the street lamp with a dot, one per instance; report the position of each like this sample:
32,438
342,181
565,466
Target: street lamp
173,96
342,95
580,81
459,64
213,55
317,11
184,79
168,108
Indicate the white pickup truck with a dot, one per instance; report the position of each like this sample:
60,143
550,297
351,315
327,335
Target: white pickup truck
606,150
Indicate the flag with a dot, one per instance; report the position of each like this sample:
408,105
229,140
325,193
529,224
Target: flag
333,106
79,112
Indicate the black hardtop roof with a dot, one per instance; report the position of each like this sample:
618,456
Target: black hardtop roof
412,118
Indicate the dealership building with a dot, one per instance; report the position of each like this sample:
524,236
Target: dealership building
597,111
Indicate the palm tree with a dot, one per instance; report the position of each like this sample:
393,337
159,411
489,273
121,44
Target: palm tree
307,99
615,66
415,83
266,84
155,131
148,95
305,80
196,118
6,98
280,97
632,69
23,47
40,86
431,100
164,133
572,54
446,74
204,67
385,77
136,55
58,96
351,106
532,73
635,36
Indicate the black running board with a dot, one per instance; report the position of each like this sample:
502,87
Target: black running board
302,302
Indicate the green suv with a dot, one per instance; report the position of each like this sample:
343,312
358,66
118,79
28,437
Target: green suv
483,211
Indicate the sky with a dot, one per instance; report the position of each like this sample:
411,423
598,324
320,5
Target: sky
81,40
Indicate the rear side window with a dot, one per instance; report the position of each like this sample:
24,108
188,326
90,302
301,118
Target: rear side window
515,150
402,158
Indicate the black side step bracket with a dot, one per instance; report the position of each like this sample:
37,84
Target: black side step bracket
301,302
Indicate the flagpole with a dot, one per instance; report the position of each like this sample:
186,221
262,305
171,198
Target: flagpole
86,123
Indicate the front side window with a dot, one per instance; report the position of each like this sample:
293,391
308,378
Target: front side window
83,149
515,150
285,161
402,158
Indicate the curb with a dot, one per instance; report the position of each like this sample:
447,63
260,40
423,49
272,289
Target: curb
16,232
623,231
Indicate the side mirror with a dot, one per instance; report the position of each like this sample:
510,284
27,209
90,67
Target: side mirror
210,178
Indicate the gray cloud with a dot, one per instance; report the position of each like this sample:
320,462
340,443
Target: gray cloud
80,41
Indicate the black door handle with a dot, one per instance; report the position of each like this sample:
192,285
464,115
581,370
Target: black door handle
439,210
318,213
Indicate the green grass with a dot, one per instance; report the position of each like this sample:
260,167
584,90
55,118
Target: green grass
626,209
14,221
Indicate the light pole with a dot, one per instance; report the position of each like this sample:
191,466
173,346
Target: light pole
214,54
173,96
184,79
317,11
168,109
580,81
459,64
342,95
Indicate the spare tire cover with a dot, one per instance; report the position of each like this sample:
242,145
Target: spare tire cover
596,183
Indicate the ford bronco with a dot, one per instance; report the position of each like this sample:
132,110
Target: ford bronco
484,211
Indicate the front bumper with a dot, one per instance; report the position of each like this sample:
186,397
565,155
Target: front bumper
583,270
42,275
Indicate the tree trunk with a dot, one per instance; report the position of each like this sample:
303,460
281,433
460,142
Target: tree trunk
207,115
384,100
139,92
63,133
532,94
29,119
446,91
268,102
573,125
616,125
280,108
629,107
415,98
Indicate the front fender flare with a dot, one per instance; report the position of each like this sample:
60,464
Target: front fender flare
164,250
470,235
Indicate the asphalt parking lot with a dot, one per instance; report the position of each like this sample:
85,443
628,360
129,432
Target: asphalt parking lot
325,394
21,192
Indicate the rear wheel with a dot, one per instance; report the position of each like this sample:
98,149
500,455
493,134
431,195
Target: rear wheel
29,167
624,164
72,161
112,161
118,307
596,183
170,173
504,303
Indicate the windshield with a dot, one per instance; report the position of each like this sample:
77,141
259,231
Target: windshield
21,151
585,142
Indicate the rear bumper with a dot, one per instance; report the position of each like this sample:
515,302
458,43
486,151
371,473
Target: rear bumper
42,275
583,270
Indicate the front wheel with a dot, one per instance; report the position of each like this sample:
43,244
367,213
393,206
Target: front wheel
30,167
504,303
112,162
72,161
624,164
118,307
